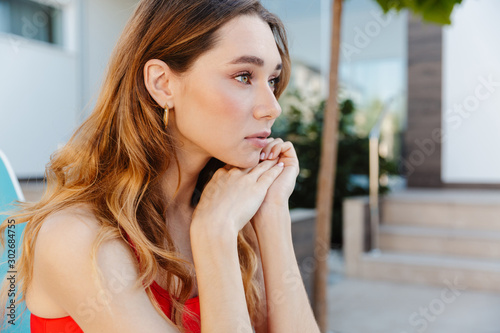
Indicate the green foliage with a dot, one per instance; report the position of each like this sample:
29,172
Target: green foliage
435,11
304,129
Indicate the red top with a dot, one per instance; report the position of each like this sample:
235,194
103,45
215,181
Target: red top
67,324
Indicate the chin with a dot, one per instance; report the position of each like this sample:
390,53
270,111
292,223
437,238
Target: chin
249,162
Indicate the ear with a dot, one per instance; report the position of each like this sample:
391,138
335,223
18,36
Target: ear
158,79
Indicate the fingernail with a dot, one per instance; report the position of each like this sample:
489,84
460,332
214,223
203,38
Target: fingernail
271,156
281,164
262,156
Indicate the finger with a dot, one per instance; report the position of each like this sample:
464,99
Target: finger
265,152
262,167
283,150
268,177
291,165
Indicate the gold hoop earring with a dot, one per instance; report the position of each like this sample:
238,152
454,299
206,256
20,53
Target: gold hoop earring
165,116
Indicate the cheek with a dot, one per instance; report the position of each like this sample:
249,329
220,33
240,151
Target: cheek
227,106
229,101
219,111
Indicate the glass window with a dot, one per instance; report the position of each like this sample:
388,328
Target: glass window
31,20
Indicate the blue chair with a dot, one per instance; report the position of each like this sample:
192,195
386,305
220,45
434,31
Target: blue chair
10,190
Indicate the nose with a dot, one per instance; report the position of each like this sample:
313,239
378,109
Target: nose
267,105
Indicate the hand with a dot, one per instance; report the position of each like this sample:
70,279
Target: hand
281,189
233,195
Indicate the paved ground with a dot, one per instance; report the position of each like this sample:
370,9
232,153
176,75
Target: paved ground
360,306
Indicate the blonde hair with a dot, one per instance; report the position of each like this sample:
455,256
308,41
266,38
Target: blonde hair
115,159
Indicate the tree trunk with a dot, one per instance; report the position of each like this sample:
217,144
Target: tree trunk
326,179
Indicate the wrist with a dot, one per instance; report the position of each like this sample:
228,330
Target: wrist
273,220
202,230
271,210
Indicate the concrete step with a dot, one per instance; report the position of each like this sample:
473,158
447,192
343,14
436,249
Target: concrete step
440,241
454,272
457,209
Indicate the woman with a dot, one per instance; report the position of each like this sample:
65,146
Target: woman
144,226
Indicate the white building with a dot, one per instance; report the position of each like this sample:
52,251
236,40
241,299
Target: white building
53,54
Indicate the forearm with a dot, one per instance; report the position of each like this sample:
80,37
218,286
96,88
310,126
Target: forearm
287,302
222,298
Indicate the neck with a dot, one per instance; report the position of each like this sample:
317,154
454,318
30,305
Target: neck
179,180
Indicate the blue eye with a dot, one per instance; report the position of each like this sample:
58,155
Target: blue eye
274,81
244,75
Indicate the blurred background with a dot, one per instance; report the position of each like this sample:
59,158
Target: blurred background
430,263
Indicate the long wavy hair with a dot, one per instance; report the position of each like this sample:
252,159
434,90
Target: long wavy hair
115,160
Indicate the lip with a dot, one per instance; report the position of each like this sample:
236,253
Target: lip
259,139
258,142
263,134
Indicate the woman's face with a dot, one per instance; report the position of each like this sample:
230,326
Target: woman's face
227,98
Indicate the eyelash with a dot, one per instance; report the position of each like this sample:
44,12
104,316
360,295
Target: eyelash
250,76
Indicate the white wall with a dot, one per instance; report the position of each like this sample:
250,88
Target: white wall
471,105
103,24
44,89
37,102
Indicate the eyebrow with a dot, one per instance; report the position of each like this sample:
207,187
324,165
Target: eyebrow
248,59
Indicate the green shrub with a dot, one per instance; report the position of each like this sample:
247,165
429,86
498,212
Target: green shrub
303,127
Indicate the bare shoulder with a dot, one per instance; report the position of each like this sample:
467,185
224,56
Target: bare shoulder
70,222
66,239
67,236
62,252
66,279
